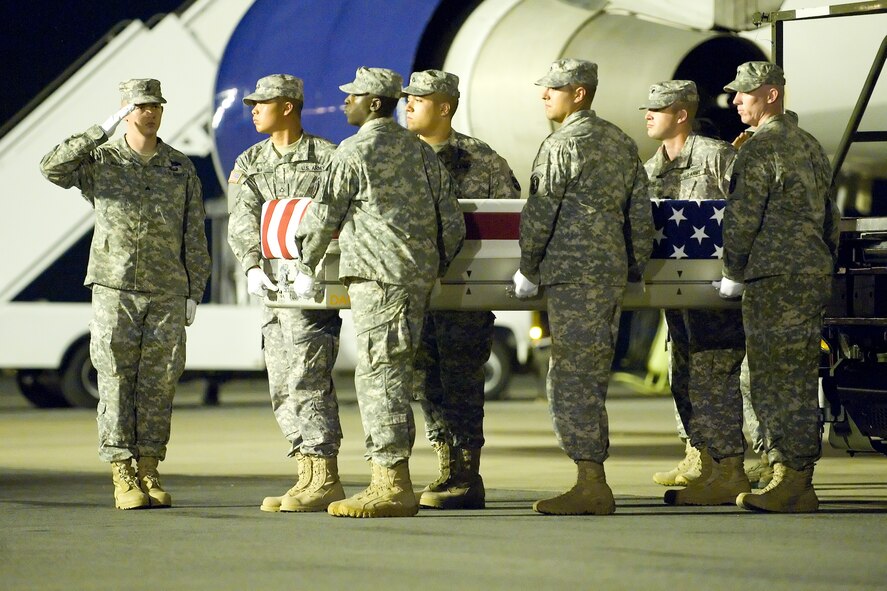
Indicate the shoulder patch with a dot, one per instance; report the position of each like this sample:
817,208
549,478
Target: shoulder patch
236,177
733,180
534,184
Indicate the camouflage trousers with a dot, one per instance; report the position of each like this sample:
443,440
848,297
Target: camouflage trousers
750,423
450,375
137,346
584,321
388,324
783,328
300,348
707,349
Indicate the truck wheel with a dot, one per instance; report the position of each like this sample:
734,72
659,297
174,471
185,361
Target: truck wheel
497,371
41,388
78,378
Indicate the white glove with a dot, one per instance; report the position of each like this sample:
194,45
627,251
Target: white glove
435,289
304,286
728,289
523,287
111,122
257,283
190,311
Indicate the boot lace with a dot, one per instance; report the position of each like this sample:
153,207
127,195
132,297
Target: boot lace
126,475
691,460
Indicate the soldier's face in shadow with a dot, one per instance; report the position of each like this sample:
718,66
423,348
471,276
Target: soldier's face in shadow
358,108
268,116
145,119
662,123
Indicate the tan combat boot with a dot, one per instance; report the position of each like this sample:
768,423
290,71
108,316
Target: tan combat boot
303,464
726,479
448,464
761,473
790,491
390,494
684,473
590,496
127,492
459,485
323,487
149,479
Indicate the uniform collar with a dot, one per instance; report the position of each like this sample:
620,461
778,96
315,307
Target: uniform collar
161,156
683,159
303,151
577,117
376,124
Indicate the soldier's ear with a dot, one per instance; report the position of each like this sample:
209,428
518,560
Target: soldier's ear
445,109
579,94
375,104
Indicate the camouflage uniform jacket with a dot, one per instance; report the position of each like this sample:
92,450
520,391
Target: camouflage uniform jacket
262,174
701,171
478,171
588,217
781,216
393,202
149,233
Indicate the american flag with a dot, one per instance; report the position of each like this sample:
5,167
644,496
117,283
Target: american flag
280,220
688,229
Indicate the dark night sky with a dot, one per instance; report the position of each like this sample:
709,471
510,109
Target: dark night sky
40,38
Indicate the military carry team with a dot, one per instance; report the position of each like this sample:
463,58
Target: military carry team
391,194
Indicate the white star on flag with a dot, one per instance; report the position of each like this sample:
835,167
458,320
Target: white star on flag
660,235
699,234
678,216
718,215
719,252
679,253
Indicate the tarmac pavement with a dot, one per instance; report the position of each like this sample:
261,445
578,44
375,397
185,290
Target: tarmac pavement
59,530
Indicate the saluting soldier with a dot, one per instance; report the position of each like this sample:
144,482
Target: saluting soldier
148,268
455,344
585,232
400,226
299,345
780,238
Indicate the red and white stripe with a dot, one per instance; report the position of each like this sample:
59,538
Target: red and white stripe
280,219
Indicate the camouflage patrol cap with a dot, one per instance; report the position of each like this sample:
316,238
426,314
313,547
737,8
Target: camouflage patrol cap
663,94
276,86
375,81
141,91
431,81
570,71
751,75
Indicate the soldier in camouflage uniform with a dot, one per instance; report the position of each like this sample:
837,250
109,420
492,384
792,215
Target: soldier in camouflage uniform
585,231
299,345
707,346
148,267
780,238
455,344
400,226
